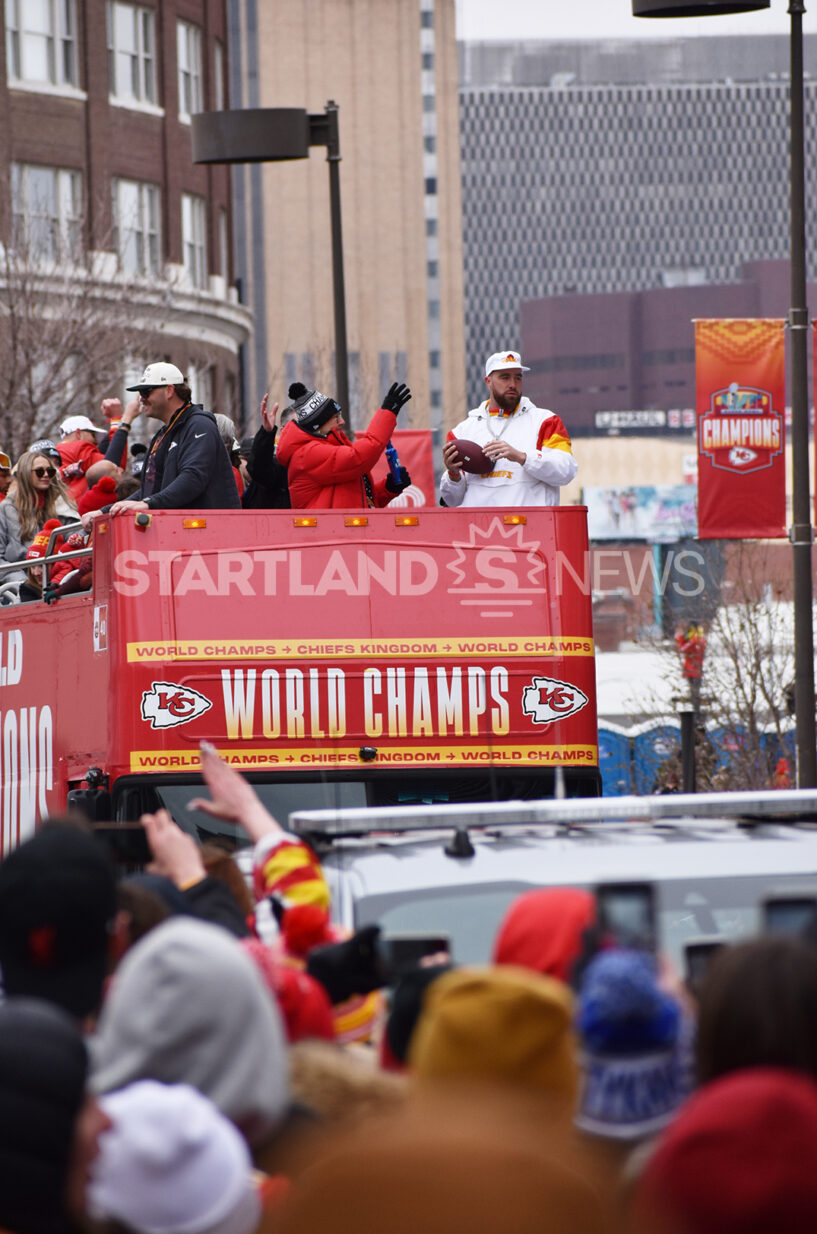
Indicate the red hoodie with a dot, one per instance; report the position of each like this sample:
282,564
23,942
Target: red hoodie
326,473
543,929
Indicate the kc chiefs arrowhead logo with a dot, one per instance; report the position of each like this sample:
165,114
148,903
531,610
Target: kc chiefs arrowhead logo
741,431
546,699
166,704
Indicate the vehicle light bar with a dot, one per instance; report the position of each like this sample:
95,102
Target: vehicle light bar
772,804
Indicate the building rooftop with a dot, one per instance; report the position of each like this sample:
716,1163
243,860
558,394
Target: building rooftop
582,62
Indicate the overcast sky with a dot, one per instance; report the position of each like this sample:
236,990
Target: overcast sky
608,19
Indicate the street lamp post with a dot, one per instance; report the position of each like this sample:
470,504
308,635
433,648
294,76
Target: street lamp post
801,528
276,134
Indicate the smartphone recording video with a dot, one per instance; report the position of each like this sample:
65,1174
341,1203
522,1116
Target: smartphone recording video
401,952
626,912
127,843
698,955
788,914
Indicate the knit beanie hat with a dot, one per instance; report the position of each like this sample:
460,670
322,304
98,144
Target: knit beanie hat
635,1070
502,1024
171,1164
46,447
43,1066
39,545
188,1006
310,408
100,494
544,930
739,1158
57,900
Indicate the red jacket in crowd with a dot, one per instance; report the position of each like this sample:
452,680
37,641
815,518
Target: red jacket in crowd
326,473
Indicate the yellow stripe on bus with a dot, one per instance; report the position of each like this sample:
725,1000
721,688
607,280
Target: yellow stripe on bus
156,652
295,758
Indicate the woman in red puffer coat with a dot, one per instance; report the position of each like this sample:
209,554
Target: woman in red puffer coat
327,471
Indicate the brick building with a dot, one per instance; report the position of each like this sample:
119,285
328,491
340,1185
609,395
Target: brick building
624,362
96,173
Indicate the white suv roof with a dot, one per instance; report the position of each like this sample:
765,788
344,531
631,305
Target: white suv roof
713,858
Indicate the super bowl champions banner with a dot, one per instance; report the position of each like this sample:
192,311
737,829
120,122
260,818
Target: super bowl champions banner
740,403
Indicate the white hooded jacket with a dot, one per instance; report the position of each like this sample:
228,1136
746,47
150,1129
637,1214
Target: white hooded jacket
549,464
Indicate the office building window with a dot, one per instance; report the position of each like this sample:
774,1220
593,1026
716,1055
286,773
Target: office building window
188,51
136,226
200,380
47,211
194,239
131,52
219,92
41,42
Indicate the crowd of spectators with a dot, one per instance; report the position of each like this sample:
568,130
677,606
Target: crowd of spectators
166,1070
193,461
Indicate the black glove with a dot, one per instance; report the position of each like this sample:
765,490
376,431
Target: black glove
397,486
352,967
398,395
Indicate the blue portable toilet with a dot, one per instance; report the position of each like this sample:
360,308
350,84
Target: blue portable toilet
726,740
653,743
615,761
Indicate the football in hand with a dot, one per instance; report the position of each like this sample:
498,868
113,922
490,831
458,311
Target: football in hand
472,457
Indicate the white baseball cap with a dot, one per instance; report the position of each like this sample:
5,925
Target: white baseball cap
502,360
159,374
72,423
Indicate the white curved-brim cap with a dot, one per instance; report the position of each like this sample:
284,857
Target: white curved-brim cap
159,374
504,360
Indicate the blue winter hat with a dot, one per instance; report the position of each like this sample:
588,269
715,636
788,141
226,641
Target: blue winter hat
622,1010
636,1056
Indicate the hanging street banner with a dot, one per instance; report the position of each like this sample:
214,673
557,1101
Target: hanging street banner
740,401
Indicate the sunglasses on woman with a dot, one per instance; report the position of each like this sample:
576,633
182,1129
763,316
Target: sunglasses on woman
39,472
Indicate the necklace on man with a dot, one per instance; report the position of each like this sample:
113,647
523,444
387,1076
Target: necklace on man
505,422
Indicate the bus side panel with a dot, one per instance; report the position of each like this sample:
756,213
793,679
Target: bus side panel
455,639
53,707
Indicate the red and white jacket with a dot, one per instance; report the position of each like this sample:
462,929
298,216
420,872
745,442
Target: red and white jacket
536,482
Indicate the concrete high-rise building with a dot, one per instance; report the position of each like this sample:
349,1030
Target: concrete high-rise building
391,66
619,167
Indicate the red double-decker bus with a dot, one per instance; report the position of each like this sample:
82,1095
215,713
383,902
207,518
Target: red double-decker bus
336,658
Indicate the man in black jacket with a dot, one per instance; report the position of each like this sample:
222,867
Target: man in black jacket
186,466
267,488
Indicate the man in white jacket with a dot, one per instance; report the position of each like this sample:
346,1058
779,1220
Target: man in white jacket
528,446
